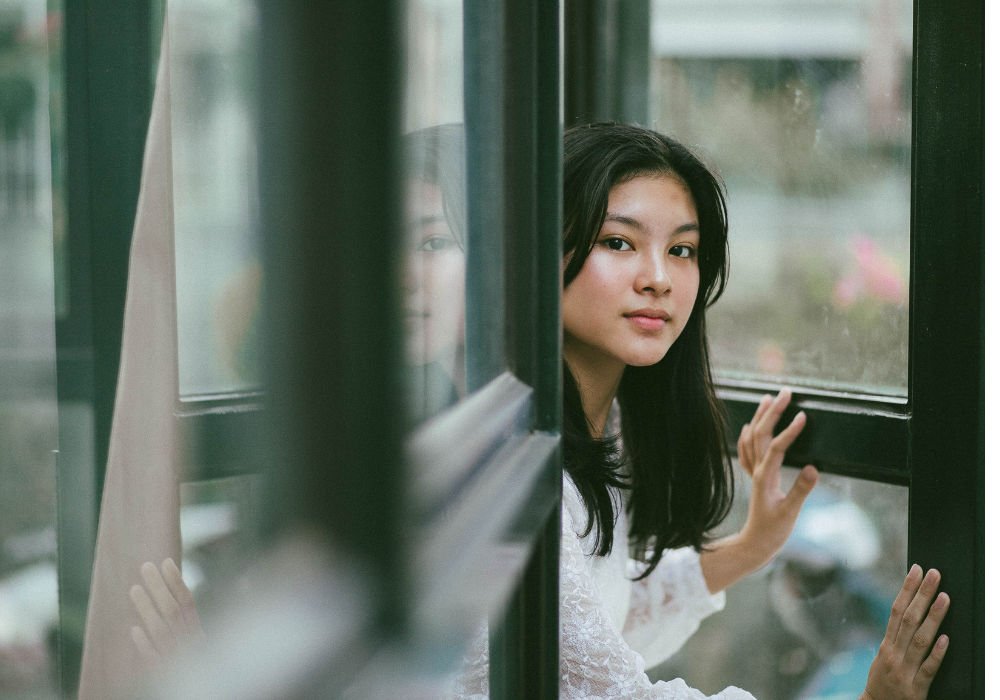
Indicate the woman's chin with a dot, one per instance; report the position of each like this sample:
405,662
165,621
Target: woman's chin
645,359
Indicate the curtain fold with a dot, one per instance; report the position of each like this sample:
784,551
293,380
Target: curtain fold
140,508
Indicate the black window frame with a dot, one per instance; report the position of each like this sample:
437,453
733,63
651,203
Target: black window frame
933,440
933,443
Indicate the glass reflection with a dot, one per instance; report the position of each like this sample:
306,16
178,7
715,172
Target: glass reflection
434,269
30,81
215,208
804,108
808,625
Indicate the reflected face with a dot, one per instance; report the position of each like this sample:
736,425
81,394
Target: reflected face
638,285
434,281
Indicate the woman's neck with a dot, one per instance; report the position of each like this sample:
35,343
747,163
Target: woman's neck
597,377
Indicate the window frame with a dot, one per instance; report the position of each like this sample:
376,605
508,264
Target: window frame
938,431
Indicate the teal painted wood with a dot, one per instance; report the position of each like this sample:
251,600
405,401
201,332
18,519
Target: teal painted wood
483,39
107,69
524,641
330,211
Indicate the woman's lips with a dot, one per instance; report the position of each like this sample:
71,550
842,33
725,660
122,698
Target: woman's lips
647,323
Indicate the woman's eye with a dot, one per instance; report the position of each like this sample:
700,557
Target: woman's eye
616,244
683,251
436,243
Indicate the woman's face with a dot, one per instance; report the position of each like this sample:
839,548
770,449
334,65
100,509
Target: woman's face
434,285
638,285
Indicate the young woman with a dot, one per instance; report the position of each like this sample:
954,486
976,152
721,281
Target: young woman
647,474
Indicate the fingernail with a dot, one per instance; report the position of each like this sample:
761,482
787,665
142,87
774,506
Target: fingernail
914,571
942,600
933,576
942,642
800,414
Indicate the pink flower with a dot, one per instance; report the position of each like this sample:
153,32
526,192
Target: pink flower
881,276
770,358
847,290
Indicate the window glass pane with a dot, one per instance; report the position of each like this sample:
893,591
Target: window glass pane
809,624
212,121
435,242
29,610
804,109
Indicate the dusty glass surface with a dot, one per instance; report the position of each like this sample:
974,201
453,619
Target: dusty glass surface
212,44
803,107
808,625
29,613
434,241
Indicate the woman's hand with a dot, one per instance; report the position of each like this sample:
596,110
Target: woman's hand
166,608
772,513
903,670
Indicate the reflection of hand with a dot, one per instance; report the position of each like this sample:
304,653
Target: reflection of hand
167,610
772,514
903,670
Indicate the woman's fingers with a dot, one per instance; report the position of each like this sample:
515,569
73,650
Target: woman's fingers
783,440
909,656
164,599
771,416
742,450
917,609
145,648
764,404
929,668
761,427
775,454
182,594
926,633
159,633
802,487
909,589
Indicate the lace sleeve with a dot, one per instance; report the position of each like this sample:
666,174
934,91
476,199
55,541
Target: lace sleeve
597,663
668,605
472,681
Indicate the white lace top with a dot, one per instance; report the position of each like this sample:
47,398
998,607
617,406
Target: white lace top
613,628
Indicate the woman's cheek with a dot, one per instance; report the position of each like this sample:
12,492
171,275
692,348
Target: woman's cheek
444,288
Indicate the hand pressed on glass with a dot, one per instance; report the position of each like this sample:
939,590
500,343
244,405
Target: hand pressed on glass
903,669
772,514
166,608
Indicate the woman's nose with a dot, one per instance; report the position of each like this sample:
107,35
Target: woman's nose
413,272
653,276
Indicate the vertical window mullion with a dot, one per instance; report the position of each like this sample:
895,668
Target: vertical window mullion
330,214
946,453
524,642
483,39
107,63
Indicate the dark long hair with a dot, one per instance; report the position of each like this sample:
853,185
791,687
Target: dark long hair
436,156
679,481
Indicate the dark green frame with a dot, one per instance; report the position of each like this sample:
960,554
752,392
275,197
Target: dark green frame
933,442
107,65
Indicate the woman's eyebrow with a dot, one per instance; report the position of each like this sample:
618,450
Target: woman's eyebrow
633,223
627,220
422,221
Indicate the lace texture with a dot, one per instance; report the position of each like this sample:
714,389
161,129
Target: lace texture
598,660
